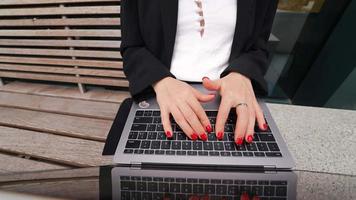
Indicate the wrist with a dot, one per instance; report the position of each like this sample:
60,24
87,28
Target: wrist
159,84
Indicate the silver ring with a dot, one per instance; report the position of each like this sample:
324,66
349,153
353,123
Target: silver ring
241,104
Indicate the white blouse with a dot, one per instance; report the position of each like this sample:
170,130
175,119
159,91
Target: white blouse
203,49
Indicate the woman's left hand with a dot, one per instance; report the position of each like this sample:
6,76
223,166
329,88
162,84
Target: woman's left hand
237,92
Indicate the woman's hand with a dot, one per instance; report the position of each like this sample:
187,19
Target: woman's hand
236,92
182,101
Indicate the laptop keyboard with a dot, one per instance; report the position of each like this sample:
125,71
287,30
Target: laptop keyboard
147,137
157,188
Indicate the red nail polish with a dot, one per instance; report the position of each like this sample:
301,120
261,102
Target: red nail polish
203,137
245,196
265,127
208,128
220,135
239,141
249,138
169,134
194,136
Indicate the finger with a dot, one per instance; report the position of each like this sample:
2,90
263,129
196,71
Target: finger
199,111
203,97
262,125
251,125
244,196
166,122
241,124
193,120
223,113
182,123
211,85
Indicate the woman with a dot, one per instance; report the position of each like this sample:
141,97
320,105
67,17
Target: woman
221,43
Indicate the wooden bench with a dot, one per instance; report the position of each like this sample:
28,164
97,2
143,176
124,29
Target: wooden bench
72,41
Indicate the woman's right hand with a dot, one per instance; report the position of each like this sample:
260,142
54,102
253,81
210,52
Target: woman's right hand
182,101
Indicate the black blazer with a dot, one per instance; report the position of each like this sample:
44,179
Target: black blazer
148,34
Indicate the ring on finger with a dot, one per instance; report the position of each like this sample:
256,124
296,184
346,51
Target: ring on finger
242,104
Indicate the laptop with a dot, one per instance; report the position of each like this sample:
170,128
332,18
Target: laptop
148,184
143,142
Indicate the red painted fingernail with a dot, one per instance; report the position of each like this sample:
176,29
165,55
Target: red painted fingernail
220,135
208,128
249,138
194,136
169,134
245,196
265,127
203,137
239,141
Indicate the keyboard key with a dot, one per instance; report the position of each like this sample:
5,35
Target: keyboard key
212,137
138,127
221,189
262,146
141,186
142,135
176,145
228,181
198,189
257,190
169,152
146,196
155,144
151,127
145,144
251,182
225,153
213,153
158,179
236,154
187,188
248,154
266,137
163,187
147,113
192,153
128,151
239,182
181,180
279,183
259,154
198,145
139,113
143,120
166,144
232,190
181,136
159,152
273,146
157,196
203,153
125,195
245,188
175,188
133,144
128,185
133,135
151,135
156,113
161,136
187,145
209,189
138,151
229,128
273,154
263,182
281,191
146,178
208,146
181,153
268,191
240,147
149,152
218,146
159,127
229,146
251,147
157,120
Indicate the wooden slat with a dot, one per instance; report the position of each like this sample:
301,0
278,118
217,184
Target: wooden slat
74,107
29,2
89,172
66,52
68,79
61,22
80,10
61,43
63,70
81,127
13,164
63,62
62,33
93,94
66,150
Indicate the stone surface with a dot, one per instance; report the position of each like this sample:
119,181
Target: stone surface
320,139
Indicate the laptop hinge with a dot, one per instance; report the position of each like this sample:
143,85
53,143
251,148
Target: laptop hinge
270,167
135,165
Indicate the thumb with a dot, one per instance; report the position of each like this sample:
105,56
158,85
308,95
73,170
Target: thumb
211,85
203,97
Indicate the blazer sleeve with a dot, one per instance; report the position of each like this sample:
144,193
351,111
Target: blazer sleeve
140,66
254,63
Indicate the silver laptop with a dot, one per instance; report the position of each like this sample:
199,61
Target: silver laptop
130,183
143,142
